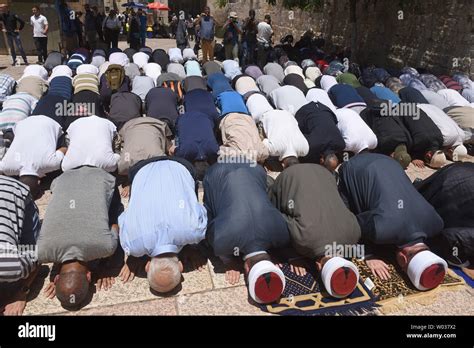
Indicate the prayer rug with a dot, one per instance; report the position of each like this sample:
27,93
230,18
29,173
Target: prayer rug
305,295
469,281
396,292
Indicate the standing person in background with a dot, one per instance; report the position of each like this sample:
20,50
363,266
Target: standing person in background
12,25
207,30
79,28
68,26
111,27
182,32
264,40
99,19
40,34
90,27
197,42
134,31
173,26
249,39
190,26
231,37
142,18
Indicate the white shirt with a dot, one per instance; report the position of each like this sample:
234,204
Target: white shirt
453,98
264,32
119,58
33,150
288,98
140,59
35,70
90,143
231,68
257,105
61,70
320,95
175,55
188,53
293,69
87,69
39,24
435,99
356,133
284,138
452,134
152,70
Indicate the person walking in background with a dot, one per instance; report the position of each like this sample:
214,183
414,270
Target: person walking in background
12,25
142,19
264,40
249,39
231,37
111,27
182,32
90,26
99,19
40,33
207,29
190,26
68,26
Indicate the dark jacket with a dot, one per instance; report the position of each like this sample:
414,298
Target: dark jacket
12,22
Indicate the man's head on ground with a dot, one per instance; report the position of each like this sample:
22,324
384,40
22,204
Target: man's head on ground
164,272
268,19
252,14
201,168
33,182
266,281
207,10
402,156
36,10
72,284
425,269
330,161
289,161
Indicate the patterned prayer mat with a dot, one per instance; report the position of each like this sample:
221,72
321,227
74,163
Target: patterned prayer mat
394,293
307,296
469,281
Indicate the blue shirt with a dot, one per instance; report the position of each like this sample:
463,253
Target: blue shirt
385,94
231,101
163,214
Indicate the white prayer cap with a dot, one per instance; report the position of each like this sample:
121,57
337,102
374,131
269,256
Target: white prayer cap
426,270
460,151
309,83
327,81
87,69
266,282
61,70
119,58
141,59
340,277
35,70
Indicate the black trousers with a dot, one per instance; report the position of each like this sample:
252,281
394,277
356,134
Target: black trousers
41,44
111,37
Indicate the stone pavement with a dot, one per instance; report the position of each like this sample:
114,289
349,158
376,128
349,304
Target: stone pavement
203,292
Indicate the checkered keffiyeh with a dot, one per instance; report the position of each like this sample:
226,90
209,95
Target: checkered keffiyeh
7,84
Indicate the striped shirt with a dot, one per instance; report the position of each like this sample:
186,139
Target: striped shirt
16,107
19,229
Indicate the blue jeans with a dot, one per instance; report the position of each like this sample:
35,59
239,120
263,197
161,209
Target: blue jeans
15,37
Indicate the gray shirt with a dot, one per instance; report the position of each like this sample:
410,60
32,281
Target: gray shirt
76,225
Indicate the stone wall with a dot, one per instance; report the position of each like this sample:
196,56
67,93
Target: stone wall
434,34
